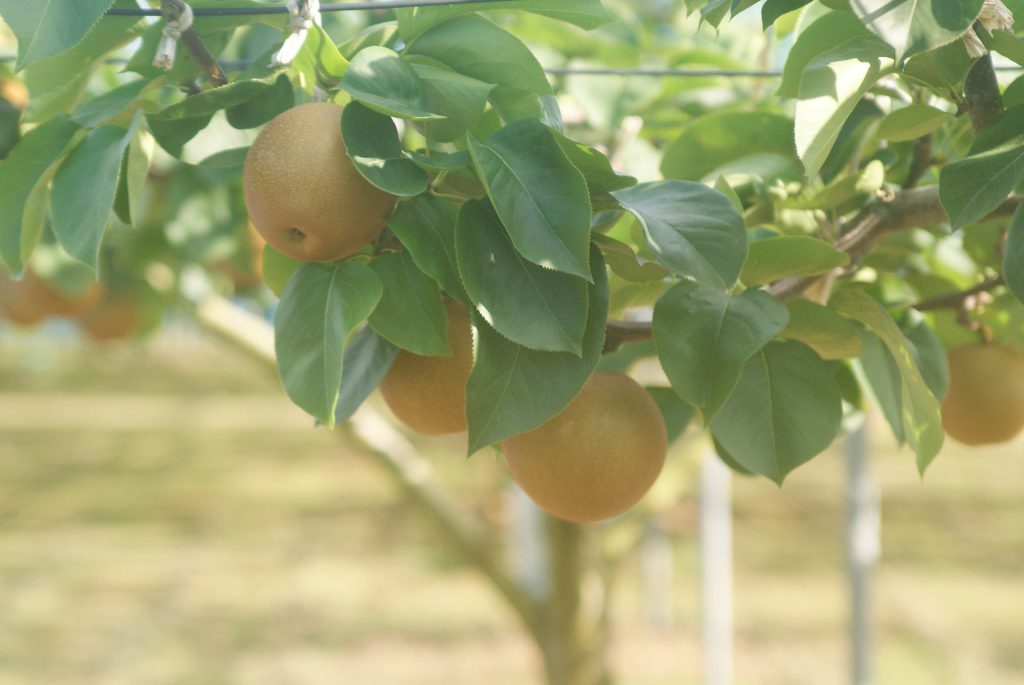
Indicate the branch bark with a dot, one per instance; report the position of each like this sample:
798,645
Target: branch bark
391,450
955,299
172,10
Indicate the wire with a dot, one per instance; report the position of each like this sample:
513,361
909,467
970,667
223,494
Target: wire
695,73
324,7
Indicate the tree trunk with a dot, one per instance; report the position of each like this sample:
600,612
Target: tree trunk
574,620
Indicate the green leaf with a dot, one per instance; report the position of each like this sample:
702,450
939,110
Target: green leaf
56,83
884,379
319,63
928,351
23,169
425,225
596,168
718,138
790,255
828,94
372,143
920,410
784,410
473,46
587,14
137,161
319,308
84,189
513,389
441,161
626,263
1013,261
173,135
528,304
833,37
912,122
459,98
676,413
110,104
693,230
541,197
410,313
913,26
367,359
276,99
704,336
773,9
49,27
969,189
278,269
212,101
383,81
822,329
943,69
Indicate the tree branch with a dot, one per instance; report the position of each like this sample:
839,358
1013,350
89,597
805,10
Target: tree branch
172,10
390,449
955,299
619,333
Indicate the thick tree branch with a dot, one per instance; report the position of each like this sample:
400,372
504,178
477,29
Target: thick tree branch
390,449
956,299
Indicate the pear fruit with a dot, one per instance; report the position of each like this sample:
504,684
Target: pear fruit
428,394
985,402
303,194
31,299
597,457
117,316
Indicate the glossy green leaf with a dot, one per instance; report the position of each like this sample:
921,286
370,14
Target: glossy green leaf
594,165
49,27
784,410
822,329
790,255
693,230
319,63
539,195
1013,261
828,94
928,351
23,169
942,69
276,99
626,263
426,227
884,380
832,37
383,81
971,188
587,14
367,359
137,163
513,389
705,335
173,135
715,139
278,269
913,26
528,304
457,97
110,104
473,46
212,101
410,313
372,143
919,409
57,83
773,9
676,413
320,306
912,122
84,189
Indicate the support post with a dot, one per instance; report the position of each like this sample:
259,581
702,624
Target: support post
862,551
716,569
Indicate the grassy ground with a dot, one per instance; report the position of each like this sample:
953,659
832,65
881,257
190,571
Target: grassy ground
166,517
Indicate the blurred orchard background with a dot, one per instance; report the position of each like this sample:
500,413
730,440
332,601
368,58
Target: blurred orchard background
167,516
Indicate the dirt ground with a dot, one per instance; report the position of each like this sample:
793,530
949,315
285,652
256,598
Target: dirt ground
167,518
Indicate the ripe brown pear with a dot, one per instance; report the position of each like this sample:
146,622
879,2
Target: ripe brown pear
428,394
14,93
985,402
598,456
31,299
303,193
117,316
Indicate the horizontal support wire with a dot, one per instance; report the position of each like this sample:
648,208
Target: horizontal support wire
281,9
